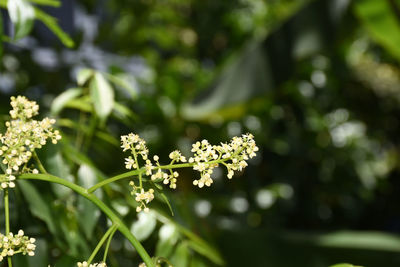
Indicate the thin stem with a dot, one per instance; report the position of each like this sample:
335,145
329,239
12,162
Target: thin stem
108,244
39,163
7,218
110,214
111,230
142,170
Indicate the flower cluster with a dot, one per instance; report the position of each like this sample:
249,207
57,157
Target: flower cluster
206,158
85,264
22,137
142,197
137,146
11,244
233,155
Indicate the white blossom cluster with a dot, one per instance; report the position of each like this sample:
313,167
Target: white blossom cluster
85,264
206,158
22,137
142,197
12,244
233,155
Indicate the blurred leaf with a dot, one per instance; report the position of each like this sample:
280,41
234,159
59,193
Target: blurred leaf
195,241
168,236
102,96
51,23
380,20
56,165
144,226
88,212
180,258
123,113
344,265
22,16
37,205
60,101
122,80
1,37
83,76
81,104
53,3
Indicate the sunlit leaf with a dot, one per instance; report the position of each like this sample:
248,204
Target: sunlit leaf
380,20
22,14
83,76
51,23
144,226
102,96
52,3
89,213
168,236
60,101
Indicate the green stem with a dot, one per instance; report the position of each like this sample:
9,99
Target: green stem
101,242
108,244
143,170
110,214
39,163
7,218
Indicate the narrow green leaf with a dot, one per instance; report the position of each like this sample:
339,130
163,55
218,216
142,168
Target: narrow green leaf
60,101
102,96
51,23
380,20
166,200
37,205
344,265
1,36
144,226
22,15
53,3
83,76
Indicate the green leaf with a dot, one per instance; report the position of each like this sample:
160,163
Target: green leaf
123,113
83,76
380,20
51,23
344,265
124,81
89,213
1,38
53,3
168,236
144,226
166,200
181,256
102,96
22,14
37,205
60,101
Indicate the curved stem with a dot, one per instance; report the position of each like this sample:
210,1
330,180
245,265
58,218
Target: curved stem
110,214
108,244
39,163
143,170
101,242
7,219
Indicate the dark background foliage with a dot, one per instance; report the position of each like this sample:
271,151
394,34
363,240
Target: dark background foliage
316,82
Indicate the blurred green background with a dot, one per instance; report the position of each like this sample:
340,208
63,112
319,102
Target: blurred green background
316,82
